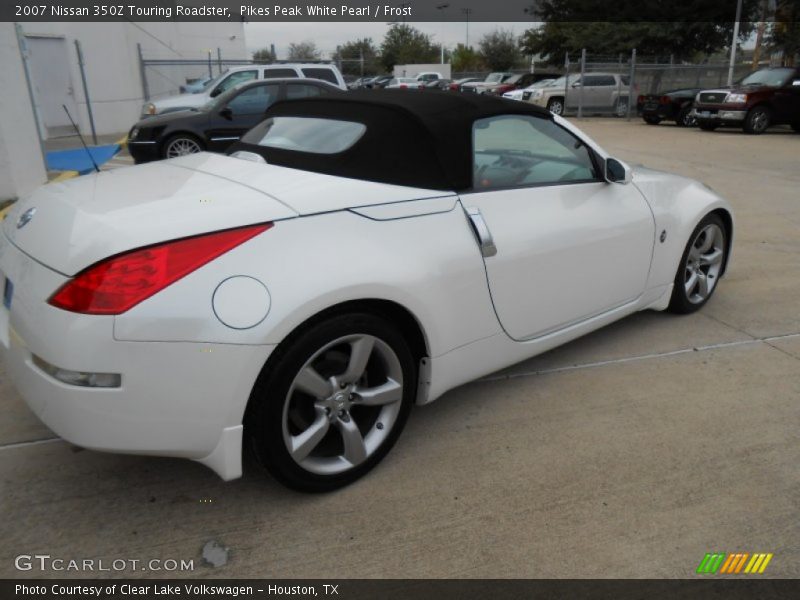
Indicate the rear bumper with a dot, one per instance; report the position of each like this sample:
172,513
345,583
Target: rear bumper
177,399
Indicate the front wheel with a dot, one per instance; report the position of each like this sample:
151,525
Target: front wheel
685,118
181,145
700,267
332,403
652,119
757,120
556,106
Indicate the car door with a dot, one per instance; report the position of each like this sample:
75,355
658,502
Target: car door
241,113
603,89
786,101
567,245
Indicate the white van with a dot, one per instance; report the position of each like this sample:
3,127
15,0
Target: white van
236,75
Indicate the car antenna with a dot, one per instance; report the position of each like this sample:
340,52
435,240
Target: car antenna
85,147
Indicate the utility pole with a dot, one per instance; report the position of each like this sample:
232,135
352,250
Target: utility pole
441,41
733,42
467,12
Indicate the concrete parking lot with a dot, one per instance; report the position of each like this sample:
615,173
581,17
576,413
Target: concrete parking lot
629,453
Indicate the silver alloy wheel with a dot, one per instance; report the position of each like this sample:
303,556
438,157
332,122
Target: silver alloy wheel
181,147
704,263
622,108
760,120
342,404
556,107
689,120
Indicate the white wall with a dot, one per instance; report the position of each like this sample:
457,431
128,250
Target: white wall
112,62
21,161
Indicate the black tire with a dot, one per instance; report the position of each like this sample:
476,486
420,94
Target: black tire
651,119
796,127
264,421
757,120
707,125
556,105
188,138
685,118
621,107
680,302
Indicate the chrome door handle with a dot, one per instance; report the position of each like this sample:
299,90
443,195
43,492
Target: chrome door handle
482,233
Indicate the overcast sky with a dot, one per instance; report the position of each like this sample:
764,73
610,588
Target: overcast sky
328,35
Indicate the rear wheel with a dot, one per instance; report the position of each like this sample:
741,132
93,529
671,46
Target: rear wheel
757,120
621,107
796,127
700,266
651,119
332,404
181,145
685,118
556,106
707,125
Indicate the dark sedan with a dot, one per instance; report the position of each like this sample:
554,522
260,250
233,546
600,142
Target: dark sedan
219,123
669,106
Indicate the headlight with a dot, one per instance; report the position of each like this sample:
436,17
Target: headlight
134,133
735,98
150,108
537,93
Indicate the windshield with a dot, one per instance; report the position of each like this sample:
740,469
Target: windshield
212,82
562,81
541,84
494,77
768,77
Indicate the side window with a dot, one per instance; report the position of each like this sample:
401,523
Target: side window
625,79
604,80
592,81
518,150
279,73
302,90
319,73
254,100
233,80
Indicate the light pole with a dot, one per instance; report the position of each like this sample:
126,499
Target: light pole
733,42
468,12
441,42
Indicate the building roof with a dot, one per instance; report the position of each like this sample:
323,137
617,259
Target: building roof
413,138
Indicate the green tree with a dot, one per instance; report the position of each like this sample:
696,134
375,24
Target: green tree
354,51
681,30
304,51
465,59
499,50
784,34
404,45
265,55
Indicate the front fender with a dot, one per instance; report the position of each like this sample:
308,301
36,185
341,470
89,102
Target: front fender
678,205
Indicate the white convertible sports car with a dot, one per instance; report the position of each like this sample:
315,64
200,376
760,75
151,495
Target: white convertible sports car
353,256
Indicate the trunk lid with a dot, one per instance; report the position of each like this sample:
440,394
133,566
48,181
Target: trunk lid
81,221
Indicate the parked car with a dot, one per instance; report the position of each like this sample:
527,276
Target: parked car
491,80
524,94
297,297
601,92
196,86
237,75
764,98
458,84
428,76
676,105
404,83
438,84
218,124
379,82
518,82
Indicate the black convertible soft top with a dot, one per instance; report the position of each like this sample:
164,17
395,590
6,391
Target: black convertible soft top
413,138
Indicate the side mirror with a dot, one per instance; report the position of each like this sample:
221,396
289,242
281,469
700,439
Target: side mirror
226,113
617,171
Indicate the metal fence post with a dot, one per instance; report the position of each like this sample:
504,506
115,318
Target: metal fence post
210,72
631,82
23,51
86,97
566,82
219,60
145,89
581,81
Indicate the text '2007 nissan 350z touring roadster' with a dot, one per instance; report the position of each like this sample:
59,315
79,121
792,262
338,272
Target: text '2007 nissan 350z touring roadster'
351,257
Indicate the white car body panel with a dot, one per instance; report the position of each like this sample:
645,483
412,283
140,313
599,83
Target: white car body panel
187,377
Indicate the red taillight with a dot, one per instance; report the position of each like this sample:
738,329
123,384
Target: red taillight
664,100
119,283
